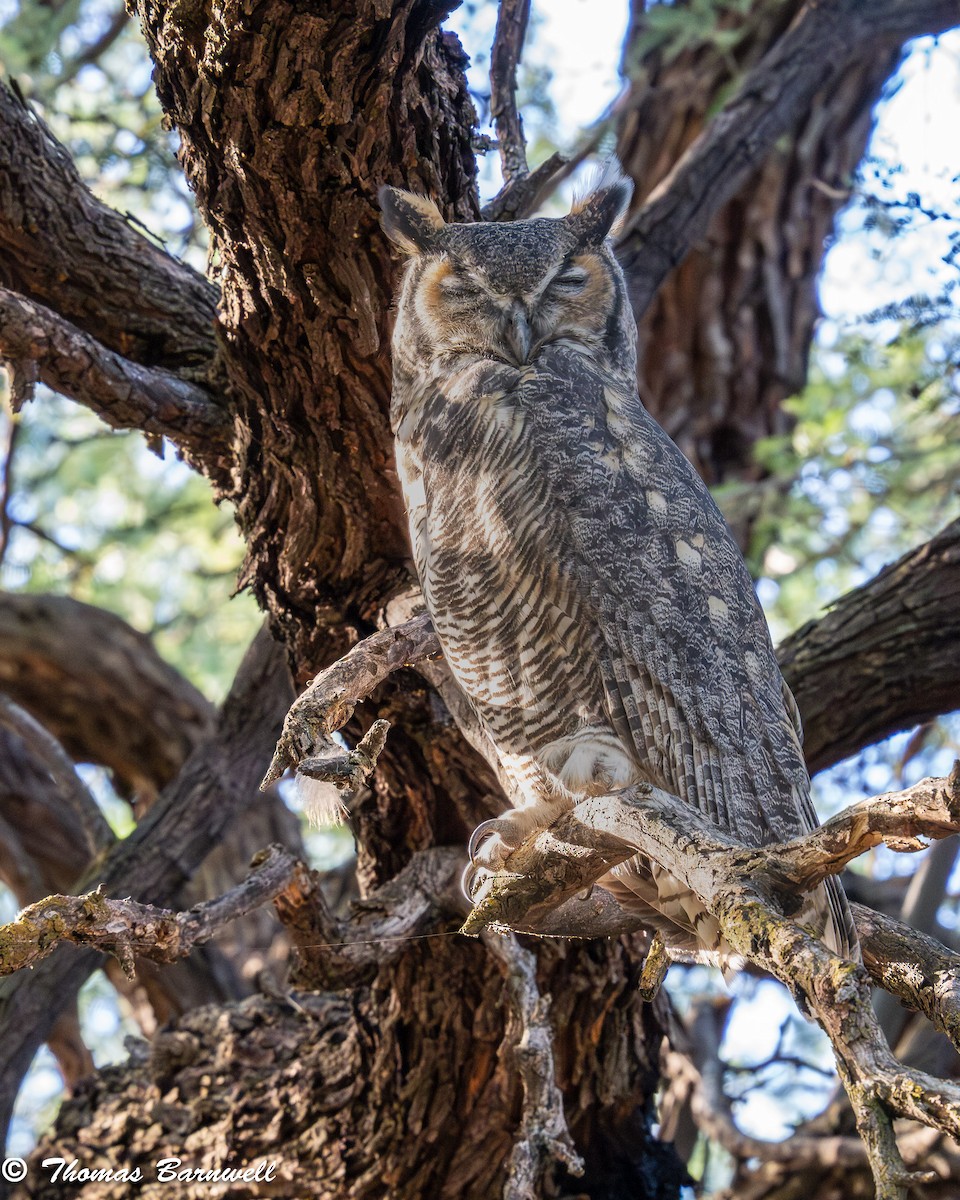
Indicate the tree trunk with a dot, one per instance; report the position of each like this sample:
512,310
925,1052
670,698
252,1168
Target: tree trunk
399,1087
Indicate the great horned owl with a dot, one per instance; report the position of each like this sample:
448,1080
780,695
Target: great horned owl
588,595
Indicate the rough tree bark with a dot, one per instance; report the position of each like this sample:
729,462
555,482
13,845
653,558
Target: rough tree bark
290,119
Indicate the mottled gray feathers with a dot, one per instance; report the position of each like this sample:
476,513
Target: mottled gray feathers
588,594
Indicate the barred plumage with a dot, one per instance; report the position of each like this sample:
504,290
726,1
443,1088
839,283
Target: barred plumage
588,595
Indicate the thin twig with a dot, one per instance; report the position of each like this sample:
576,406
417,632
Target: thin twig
522,195
711,1113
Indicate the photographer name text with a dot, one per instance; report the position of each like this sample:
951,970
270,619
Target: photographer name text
165,1170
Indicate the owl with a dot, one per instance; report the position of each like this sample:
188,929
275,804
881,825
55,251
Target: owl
589,598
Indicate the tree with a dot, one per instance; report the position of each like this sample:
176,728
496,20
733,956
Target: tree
405,1060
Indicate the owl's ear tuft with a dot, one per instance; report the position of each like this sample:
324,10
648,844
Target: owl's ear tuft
592,218
409,221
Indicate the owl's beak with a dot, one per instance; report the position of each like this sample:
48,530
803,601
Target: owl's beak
517,331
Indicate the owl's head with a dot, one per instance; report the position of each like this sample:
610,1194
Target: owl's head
507,291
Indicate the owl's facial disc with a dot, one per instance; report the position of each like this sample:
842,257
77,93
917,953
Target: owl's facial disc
467,308
508,290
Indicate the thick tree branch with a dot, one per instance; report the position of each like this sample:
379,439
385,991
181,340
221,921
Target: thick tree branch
104,693
65,249
43,851
124,393
728,335
161,854
71,789
920,971
885,657
126,928
101,689
768,103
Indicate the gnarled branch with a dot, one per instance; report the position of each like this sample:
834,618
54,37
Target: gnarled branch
743,889
74,794
543,1137
900,820
101,689
65,249
126,928
328,703
124,393
920,971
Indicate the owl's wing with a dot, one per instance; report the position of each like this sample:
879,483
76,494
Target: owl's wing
688,667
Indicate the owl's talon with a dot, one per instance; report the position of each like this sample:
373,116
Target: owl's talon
472,880
487,829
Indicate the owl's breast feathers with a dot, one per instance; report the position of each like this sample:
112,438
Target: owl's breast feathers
581,577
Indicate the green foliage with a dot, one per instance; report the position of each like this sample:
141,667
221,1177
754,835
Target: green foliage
672,29
870,468
31,35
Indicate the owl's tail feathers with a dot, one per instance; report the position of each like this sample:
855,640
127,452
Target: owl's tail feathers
840,933
689,930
